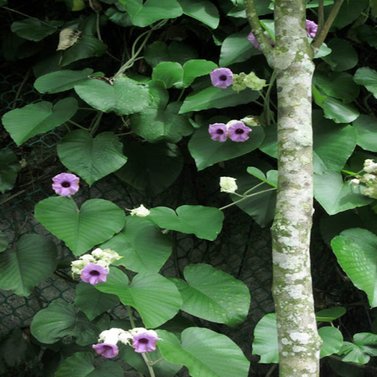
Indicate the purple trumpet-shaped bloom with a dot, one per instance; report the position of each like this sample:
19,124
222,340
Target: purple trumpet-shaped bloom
221,77
145,341
253,40
65,184
107,350
94,274
218,132
311,28
238,132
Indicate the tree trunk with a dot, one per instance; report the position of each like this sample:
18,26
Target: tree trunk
292,284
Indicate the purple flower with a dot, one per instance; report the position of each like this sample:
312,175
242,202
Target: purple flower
221,77
238,132
65,184
93,274
311,28
144,341
107,350
218,132
253,40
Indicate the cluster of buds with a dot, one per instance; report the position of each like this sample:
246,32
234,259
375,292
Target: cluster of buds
93,268
140,211
141,339
235,130
367,181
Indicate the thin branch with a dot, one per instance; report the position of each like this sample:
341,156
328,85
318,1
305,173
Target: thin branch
322,34
253,19
321,15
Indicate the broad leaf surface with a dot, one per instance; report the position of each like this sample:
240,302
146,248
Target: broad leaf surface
330,314
32,261
332,340
366,132
38,118
80,364
125,96
204,222
143,246
92,158
33,29
204,353
216,98
356,252
60,81
213,295
202,10
80,228
154,297
367,77
9,167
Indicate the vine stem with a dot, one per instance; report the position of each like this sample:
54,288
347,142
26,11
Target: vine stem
246,197
143,355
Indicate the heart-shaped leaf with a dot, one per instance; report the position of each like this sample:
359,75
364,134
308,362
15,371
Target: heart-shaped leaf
154,297
80,364
144,13
366,136
9,167
221,299
204,222
93,302
204,353
216,98
143,247
169,73
367,77
33,29
207,152
38,118
32,261
196,68
332,340
330,314
95,222
124,96
356,252
60,319
60,81
91,158
202,10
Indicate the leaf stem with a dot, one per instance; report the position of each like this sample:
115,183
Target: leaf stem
322,33
246,197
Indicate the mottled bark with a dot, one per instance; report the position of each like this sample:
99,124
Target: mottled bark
291,59
292,283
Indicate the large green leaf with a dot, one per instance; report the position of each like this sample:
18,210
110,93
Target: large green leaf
60,319
86,47
213,295
343,55
92,158
106,369
9,167
33,29
364,345
93,302
204,222
146,13
332,340
330,314
204,352
143,247
4,242
366,135
356,252
367,77
161,124
95,222
60,81
196,68
155,298
151,168
236,48
32,261
207,152
169,73
124,96
80,364
202,10
38,118
335,195
216,98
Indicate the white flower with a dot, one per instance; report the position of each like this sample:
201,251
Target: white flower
114,335
370,166
140,211
369,177
87,258
228,184
77,266
355,181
